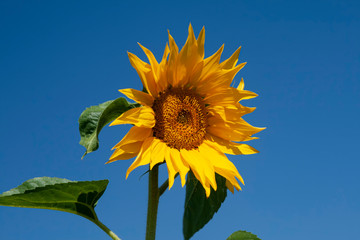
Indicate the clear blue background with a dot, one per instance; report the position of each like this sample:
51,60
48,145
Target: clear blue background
58,57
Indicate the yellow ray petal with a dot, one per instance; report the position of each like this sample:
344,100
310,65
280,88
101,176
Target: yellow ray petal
200,166
221,163
188,58
165,55
126,151
238,125
172,43
233,131
162,82
194,164
231,61
232,180
229,113
171,66
241,85
207,189
213,61
135,134
170,167
144,71
219,80
140,117
223,97
200,42
226,96
179,165
144,156
244,94
229,147
153,63
191,37
138,96
229,186
211,65
124,156
157,152
229,134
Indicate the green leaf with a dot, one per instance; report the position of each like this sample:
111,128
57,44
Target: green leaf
57,194
198,209
243,235
94,118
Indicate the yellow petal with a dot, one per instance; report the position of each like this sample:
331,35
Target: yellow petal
179,165
240,125
188,58
166,53
138,96
221,163
207,190
230,134
145,74
230,112
171,66
144,156
170,167
233,131
135,134
244,94
172,43
229,147
140,117
194,164
200,42
231,62
229,186
220,81
200,166
126,151
223,97
162,82
211,65
213,61
241,85
157,152
153,63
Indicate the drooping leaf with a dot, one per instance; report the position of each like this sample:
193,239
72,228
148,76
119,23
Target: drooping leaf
94,118
57,194
243,235
198,209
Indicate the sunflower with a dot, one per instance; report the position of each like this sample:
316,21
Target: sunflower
190,115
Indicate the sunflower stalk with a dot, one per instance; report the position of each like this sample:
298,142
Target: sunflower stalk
153,203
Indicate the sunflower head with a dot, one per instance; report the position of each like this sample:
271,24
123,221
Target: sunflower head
190,115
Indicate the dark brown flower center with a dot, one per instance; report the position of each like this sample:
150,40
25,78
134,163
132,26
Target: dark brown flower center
180,118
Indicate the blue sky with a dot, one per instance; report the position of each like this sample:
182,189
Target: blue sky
58,57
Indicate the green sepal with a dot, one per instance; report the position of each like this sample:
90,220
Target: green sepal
243,235
57,194
94,118
199,209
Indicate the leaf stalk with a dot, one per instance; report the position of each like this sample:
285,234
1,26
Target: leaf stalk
106,230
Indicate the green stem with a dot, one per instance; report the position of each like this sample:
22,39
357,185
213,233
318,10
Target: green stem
153,203
107,230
